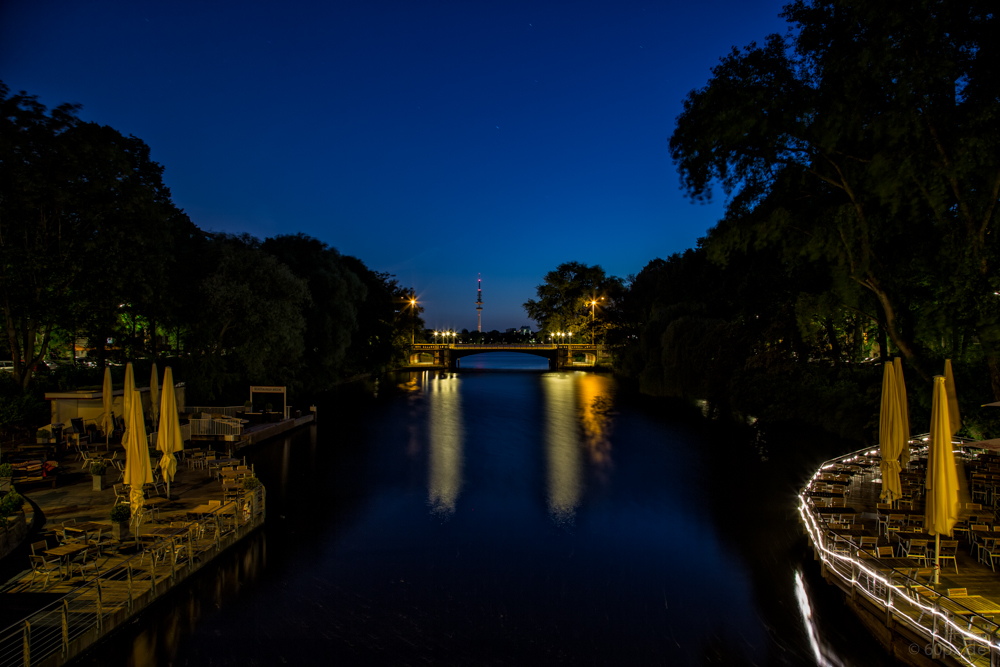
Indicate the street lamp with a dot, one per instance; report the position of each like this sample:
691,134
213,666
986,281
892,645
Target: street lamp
593,304
413,318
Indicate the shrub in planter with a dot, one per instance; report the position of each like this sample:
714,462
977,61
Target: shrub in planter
10,504
6,474
120,516
97,469
250,483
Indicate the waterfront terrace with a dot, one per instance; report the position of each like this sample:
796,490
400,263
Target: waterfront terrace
882,559
72,582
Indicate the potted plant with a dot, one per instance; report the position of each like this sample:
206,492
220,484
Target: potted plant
43,436
6,475
97,469
247,407
250,483
120,517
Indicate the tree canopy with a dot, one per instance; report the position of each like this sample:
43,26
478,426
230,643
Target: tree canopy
866,140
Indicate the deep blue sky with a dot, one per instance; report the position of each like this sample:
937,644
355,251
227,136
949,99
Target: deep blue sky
434,140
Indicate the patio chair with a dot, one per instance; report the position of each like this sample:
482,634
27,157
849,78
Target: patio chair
42,565
86,561
989,548
958,592
976,533
949,550
917,549
895,523
121,494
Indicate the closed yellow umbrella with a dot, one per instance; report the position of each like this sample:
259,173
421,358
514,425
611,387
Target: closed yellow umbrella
941,512
127,399
890,436
904,410
154,394
138,470
107,421
949,385
168,439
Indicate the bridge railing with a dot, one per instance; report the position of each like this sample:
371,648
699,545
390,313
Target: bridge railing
501,346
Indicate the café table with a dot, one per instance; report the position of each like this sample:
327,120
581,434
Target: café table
66,551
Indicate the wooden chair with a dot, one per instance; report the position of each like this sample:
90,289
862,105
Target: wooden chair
989,547
40,565
917,549
976,532
958,592
885,552
949,550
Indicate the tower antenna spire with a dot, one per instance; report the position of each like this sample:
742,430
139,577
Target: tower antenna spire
479,305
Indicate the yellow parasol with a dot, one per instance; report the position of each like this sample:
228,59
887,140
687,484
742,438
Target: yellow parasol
890,436
108,420
949,385
138,470
127,399
904,411
154,395
941,512
168,439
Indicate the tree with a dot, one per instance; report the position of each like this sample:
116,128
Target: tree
564,297
867,139
38,239
336,294
249,323
86,226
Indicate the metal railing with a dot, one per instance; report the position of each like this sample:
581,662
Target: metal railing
227,410
216,426
948,627
62,629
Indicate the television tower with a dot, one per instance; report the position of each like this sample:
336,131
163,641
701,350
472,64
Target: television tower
479,304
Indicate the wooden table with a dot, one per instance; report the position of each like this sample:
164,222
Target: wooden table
834,510
228,508
965,605
908,566
65,551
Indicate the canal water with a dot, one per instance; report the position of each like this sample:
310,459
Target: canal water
509,515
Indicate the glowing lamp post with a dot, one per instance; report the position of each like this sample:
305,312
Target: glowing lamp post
593,304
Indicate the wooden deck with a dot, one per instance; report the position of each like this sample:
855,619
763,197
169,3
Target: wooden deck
978,578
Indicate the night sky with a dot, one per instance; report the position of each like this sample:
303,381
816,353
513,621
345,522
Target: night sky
433,140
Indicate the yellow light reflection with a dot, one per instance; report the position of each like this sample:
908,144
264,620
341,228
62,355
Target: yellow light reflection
594,406
446,433
565,477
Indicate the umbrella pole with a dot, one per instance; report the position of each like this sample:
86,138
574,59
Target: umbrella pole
937,559
168,488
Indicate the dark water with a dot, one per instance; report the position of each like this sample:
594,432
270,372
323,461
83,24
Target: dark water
512,518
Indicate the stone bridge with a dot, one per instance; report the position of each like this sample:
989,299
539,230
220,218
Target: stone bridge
448,354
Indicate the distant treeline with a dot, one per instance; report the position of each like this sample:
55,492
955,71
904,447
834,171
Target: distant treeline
93,250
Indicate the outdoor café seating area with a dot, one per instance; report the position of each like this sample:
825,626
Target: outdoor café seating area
881,553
